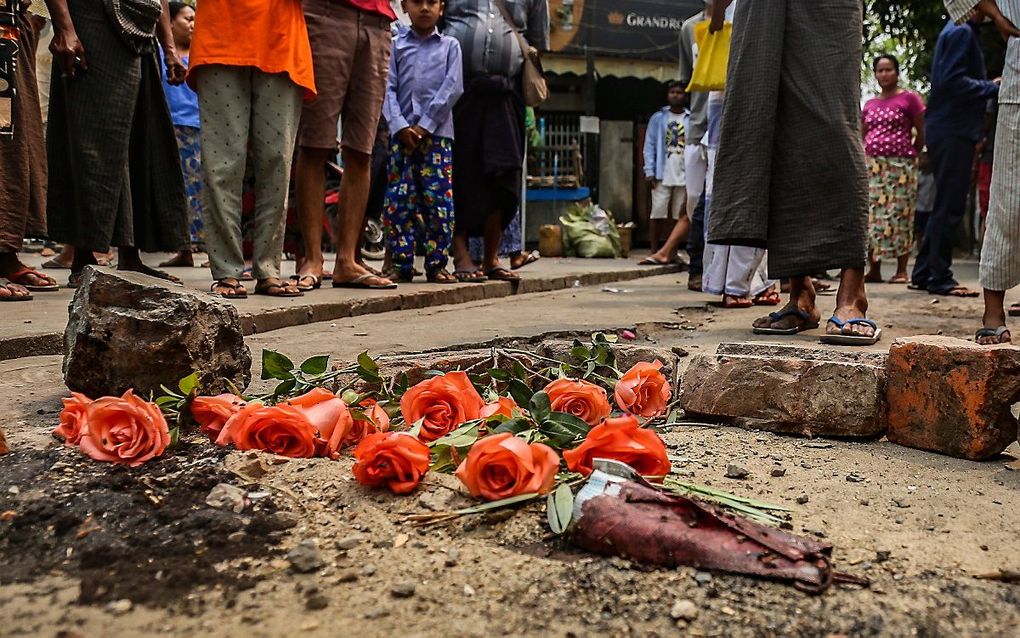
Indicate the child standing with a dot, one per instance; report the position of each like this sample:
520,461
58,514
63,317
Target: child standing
426,79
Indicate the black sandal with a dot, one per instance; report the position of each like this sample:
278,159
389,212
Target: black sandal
237,288
997,333
501,274
274,287
469,276
6,284
442,276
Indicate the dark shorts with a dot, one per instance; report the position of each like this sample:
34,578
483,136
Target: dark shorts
351,60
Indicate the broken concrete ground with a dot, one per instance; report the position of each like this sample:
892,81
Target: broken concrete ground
920,525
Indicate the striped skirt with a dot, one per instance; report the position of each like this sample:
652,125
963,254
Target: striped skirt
892,190
1000,255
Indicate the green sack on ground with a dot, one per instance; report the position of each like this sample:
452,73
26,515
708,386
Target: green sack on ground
590,231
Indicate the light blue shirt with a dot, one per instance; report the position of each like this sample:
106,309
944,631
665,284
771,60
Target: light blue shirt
426,80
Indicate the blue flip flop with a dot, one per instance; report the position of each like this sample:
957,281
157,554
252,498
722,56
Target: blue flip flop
842,339
808,323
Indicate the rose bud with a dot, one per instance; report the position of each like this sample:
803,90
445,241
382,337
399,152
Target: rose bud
622,440
330,417
281,429
502,465
377,421
212,413
395,460
582,399
643,390
443,402
125,430
72,418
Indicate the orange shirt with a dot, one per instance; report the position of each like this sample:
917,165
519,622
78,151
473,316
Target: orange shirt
267,34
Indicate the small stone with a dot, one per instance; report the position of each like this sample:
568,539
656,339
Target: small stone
347,576
348,543
226,497
865,502
402,590
377,612
452,555
236,537
368,570
316,602
984,548
900,503
684,610
702,578
802,499
778,472
882,555
736,472
305,557
853,477
469,590
119,607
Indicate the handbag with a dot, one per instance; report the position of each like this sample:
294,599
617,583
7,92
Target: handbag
533,84
713,58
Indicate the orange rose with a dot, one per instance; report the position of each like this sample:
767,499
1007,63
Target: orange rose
584,400
395,460
124,429
502,465
281,429
72,418
330,417
643,390
504,406
211,413
622,440
378,421
444,402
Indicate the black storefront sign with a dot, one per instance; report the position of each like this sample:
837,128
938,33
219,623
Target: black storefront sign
642,29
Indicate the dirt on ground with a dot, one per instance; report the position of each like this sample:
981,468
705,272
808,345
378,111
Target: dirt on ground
88,549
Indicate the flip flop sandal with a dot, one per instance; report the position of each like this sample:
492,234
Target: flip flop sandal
896,280
529,259
53,264
807,324
247,275
4,283
469,276
501,274
731,303
915,287
842,339
993,332
1014,310
226,284
648,261
361,283
772,298
266,285
442,277
315,285
29,272
960,292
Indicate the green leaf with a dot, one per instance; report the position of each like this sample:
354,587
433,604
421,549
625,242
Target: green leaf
188,383
170,393
539,406
166,400
506,502
285,387
589,368
350,397
276,366
175,437
514,426
499,375
430,374
580,353
463,437
519,371
520,392
559,508
442,460
573,423
315,365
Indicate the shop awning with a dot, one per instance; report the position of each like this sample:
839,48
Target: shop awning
611,67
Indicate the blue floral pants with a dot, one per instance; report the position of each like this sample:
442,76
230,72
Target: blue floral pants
419,204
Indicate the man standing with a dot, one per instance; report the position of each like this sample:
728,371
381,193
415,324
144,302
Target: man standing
489,122
664,166
350,42
791,175
959,92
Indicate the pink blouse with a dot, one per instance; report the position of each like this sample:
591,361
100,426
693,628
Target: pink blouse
890,125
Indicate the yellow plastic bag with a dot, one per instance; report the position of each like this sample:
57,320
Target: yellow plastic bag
713,58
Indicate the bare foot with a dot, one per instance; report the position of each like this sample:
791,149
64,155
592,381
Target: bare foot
799,311
342,273
12,291
183,259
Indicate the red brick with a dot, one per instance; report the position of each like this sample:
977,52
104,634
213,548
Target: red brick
4,449
951,396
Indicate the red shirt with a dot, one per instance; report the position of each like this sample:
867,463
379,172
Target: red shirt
380,7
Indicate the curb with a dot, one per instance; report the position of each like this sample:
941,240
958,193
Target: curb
268,320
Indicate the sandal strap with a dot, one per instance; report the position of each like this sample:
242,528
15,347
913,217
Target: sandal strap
788,312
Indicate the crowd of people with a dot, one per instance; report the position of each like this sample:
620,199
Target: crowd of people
175,127
787,177
170,127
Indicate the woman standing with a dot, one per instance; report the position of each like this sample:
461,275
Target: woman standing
893,129
183,103
251,65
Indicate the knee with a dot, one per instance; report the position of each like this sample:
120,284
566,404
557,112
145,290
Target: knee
356,161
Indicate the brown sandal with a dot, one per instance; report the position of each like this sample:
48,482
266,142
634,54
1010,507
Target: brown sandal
501,274
442,276
237,290
274,287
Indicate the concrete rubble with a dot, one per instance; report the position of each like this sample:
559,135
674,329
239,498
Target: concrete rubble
128,330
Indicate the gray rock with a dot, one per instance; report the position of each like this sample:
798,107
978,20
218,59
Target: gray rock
402,590
128,330
684,610
347,576
376,613
305,557
350,542
737,472
882,555
788,390
316,602
226,497
703,578
452,555
779,472
802,499
119,607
